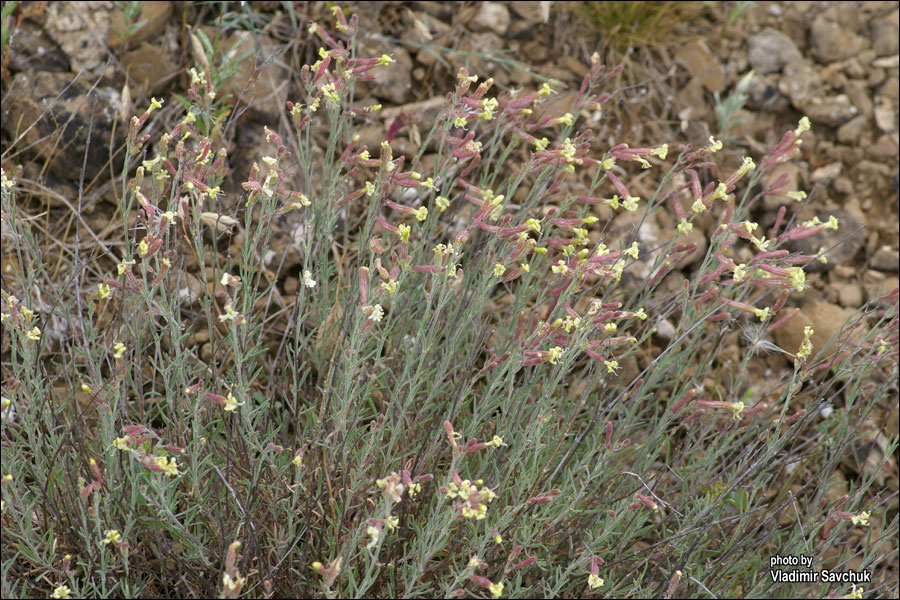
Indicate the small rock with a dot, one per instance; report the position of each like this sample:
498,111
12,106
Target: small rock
885,34
800,83
32,50
885,116
149,67
886,147
696,58
829,42
770,50
878,284
62,108
665,329
261,82
291,285
842,245
79,28
492,16
860,97
155,15
695,236
850,295
850,131
533,12
886,259
763,95
394,82
843,185
826,173
831,111
825,318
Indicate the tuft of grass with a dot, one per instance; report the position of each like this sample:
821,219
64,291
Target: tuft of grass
626,24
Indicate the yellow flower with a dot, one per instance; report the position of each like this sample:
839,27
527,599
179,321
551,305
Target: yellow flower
421,213
230,313
232,583
499,270
496,589
746,166
684,227
385,60
762,313
169,467
61,591
124,266
554,354
560,267
610,327
631,202
714,145
488,106
737,408
403,233
374,533
154,104
855,592
497,441
595,582
802,126
376,313
112,536
370,188
634,251
329,92
698,206
119,347
611,366
460,122
231,403
121,443
661,151
103,291
798,278
298,461
143,248
391,523
861,519
390,286
34,335
740,272
442,203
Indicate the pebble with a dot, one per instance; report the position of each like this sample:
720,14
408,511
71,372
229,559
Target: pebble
886,259
830,42
492,16
885,34
825,318
770,50
850,295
